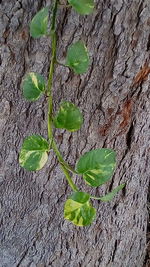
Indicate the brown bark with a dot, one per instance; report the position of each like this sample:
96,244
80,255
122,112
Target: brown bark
115,100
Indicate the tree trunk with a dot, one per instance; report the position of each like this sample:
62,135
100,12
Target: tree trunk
115,100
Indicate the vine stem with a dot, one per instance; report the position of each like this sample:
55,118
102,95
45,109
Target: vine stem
94,197
71,183
65,167
51,72
61,160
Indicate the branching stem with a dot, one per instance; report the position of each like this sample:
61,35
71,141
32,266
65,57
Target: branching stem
61,160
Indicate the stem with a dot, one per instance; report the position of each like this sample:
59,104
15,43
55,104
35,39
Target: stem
65,167
71,183
60,158
61,64
51,72
99,198
54,12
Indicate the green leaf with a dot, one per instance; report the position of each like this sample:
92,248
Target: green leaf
33,154
78,58
68,117
97,166
110,195
80,197
78,209
38,25
33,85
83,7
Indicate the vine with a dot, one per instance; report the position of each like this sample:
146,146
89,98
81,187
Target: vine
96,166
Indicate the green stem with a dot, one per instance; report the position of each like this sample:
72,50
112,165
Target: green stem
60,158
70,182
64,165
54,13
93,197
51,72
61,64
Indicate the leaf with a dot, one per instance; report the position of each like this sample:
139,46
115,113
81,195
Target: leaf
78,58
33,154
33,85
110,195
78,209
83,7
68,117
97,166
39,23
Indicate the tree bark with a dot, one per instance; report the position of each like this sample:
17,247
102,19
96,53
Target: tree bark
115,100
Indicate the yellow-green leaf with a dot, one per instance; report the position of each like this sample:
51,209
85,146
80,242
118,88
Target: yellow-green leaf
33,86
97,166
33,154
78,209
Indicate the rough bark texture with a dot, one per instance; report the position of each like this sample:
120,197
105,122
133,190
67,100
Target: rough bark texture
116,108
